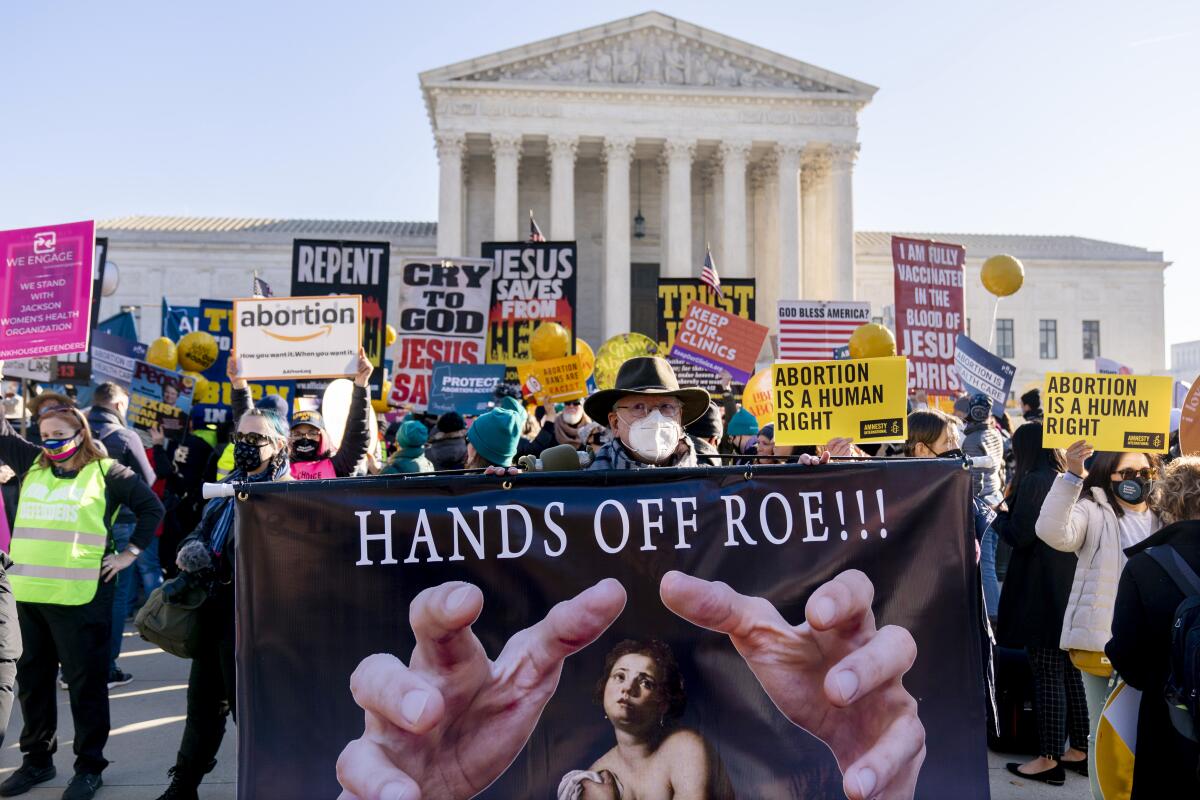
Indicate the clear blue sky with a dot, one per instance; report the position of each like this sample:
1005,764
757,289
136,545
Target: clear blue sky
1009,117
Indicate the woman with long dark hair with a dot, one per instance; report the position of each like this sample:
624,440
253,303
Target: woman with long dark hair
1097,510
1033,601
641,692
64,561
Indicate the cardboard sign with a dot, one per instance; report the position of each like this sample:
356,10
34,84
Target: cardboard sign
534,282
865,400
981,371
557,380
43,370
159,397
465,388
443,318
675,296
46,289
718,341
1110,412
215,395
809,330
297,337
1189,422
323,267
114,358
929,279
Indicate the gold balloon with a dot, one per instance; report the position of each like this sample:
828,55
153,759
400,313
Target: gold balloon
389,336
549,340
1002,275
197,351
758,397
616,351
872,341
162,353
380,404
587,362
203,391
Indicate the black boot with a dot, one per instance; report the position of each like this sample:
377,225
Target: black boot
185,784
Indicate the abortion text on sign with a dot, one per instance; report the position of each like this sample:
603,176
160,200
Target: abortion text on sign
1110,412
864,400
297,337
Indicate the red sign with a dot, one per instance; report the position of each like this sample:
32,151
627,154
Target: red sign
1189,422
929,311
718,341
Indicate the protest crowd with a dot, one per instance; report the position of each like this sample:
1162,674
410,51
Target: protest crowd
1087,558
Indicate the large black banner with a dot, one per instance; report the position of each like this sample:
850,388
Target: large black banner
695,689
321,267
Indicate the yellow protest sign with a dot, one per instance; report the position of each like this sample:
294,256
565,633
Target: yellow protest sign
1111,412
556,380
865,400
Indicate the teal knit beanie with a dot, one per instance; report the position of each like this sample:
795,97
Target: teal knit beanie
495,434
513,404
743,424
412,434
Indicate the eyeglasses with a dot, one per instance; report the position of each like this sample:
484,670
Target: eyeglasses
641,410
313,435
1145,473
253,439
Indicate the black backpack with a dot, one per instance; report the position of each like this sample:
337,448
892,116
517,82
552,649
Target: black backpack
1183,685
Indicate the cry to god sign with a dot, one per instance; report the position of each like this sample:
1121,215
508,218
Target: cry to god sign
864,400
1110,412
297,337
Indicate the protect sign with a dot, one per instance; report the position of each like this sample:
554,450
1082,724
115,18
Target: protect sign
865,400
718,341
1110,412
556,380
297,337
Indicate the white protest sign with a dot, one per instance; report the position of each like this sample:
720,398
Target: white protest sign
297,337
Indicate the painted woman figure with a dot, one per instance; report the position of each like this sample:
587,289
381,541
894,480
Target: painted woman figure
654,758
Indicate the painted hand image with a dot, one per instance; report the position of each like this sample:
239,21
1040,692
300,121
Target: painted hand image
449,723
835,675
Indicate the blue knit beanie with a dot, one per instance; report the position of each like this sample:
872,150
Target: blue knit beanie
495,434
743,423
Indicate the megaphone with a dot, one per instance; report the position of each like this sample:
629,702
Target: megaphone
560,458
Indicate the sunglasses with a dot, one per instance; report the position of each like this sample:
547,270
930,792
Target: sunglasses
253,439
1145,473
572,403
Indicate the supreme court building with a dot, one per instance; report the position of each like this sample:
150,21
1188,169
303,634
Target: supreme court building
643,140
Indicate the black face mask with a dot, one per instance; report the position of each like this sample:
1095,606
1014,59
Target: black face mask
955,453
307,450
247,457
1132,491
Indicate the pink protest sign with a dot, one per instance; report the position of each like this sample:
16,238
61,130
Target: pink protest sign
46,289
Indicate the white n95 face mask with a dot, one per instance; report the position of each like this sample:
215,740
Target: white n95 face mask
654,437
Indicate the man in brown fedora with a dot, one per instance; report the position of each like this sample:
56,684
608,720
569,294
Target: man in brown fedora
647,411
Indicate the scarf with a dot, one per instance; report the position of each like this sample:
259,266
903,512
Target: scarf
566,433
221,509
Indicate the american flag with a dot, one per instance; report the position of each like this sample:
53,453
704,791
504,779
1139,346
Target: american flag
261,288
708,274
535,233
810,330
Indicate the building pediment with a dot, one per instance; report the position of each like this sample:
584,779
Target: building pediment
649,51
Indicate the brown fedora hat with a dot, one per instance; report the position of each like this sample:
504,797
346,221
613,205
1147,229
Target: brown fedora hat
647,375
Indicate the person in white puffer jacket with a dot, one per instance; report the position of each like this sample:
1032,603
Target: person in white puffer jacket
1097,514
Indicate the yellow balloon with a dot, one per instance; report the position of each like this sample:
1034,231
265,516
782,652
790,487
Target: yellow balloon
758,397
380,404
1002,275
872,341
588,361
201,388
389,336
162,353
616,351
549,340
197,351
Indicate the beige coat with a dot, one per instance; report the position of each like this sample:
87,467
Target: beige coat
1089,530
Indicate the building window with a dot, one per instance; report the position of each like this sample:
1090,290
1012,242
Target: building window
1091,338
1004,338
1048,338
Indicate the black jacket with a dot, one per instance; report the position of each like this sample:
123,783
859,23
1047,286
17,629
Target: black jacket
121,486
1034,597
1167,763
123,445
447,450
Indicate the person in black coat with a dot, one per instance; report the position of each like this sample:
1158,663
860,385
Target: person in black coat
1033,601
1140,648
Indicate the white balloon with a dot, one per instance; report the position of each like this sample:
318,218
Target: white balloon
112,279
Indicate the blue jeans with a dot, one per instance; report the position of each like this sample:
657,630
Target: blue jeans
987,566
148,571
122,531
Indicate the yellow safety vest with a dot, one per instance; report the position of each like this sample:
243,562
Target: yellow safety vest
59,537
225,463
